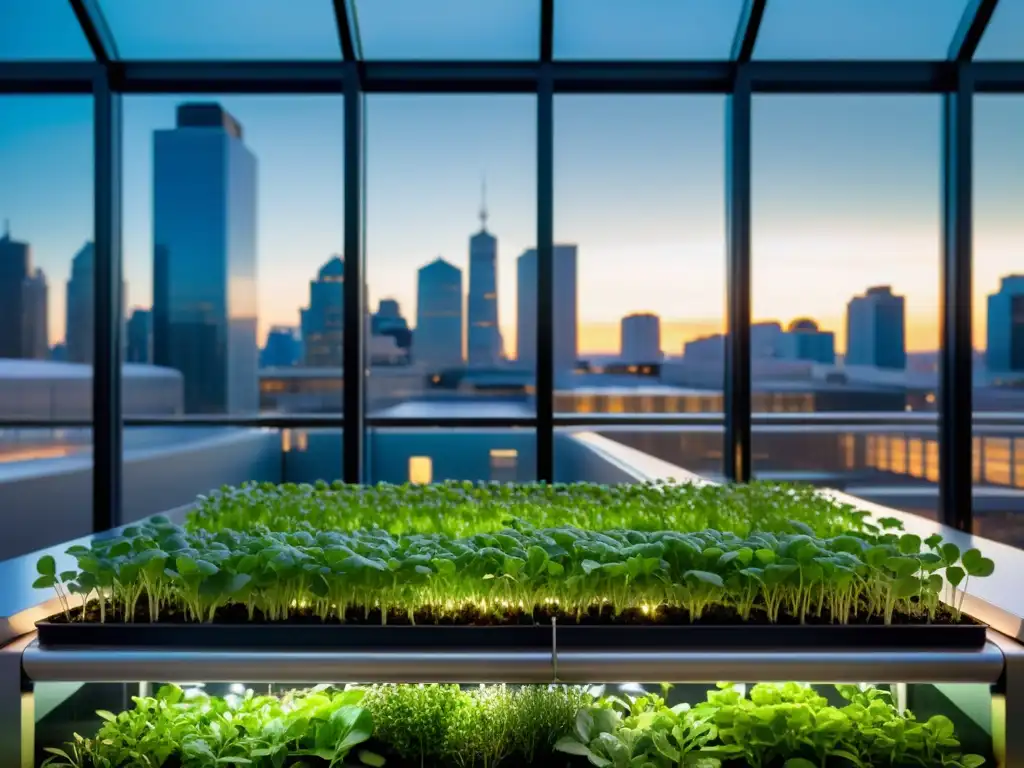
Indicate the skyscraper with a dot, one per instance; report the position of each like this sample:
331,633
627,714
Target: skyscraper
1004,351
640,338
806,341
15,266
566,316
282,348
437,340
78,333
139,337
876,329
35,329
388,321
322,322
204,260
483,336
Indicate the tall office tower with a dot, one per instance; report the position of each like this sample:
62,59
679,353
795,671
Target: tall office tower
78,333
388,321
805,341
15,267
282,348
35,329
876,329
437,339
139,337
565,310
322,323
483,336
640,338
204,259
1004,351
764,339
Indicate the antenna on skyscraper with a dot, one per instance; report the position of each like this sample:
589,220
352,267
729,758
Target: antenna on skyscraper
483,202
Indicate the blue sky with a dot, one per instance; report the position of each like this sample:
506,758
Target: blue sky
846,189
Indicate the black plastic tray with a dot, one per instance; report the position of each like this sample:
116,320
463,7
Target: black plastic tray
736,637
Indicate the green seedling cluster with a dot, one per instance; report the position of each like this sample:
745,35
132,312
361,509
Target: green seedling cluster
458,509
493,577
319,727
440,726
787,725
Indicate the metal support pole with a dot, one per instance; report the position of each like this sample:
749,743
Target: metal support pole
106,381
545,387
737,342
354,371
955,401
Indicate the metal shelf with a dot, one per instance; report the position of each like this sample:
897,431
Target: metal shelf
119,665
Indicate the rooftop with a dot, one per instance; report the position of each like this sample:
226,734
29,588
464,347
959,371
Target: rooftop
36,370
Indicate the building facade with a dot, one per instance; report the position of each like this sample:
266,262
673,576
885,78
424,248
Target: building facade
79,333
139,337
15,267
1004,351
804,340
323,335
35,329
204,261
565,311
437,339
876,329
484,343
640,338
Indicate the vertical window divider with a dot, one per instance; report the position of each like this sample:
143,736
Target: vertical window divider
354,328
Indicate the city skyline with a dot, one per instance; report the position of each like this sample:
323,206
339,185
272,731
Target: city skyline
681,278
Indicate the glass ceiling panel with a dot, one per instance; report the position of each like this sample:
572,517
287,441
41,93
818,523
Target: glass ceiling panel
858,29
645,29
1004,37
223,29
486,30
41,29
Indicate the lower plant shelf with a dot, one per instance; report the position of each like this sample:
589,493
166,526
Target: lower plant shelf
738,637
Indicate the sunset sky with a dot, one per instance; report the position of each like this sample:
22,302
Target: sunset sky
846,191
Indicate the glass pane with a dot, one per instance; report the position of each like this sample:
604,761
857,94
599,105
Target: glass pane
645,29
450,206
268,172
41,29
846,232
405,30
225,29
627,454
46,319
647,338
998,319
422,456
1004,37
858,29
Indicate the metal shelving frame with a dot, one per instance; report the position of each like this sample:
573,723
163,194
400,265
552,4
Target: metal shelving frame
1000,665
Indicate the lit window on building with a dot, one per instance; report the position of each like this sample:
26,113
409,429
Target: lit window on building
421,470
997,460
976,460
932,461
1018,462
916,463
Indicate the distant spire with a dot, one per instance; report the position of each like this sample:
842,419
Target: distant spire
483,203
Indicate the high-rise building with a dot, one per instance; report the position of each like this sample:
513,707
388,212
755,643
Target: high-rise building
483,342
388,321
79,333
565,313
282,348
15,267
437,340
322,323
640,338
204,260
876,329
35,329
1004,351
805,341
139,337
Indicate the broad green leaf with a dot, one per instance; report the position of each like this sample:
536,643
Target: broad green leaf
46,566
571,746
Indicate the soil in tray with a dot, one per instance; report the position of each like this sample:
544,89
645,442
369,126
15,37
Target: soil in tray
471,616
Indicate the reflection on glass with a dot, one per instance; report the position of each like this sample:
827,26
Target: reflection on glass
448,30
450,206
41,29
645,29
232,214
858,29
639,261
846,228
224,29
998,318
422,456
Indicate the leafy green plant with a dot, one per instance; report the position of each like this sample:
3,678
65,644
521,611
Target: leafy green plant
570,572
203,731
